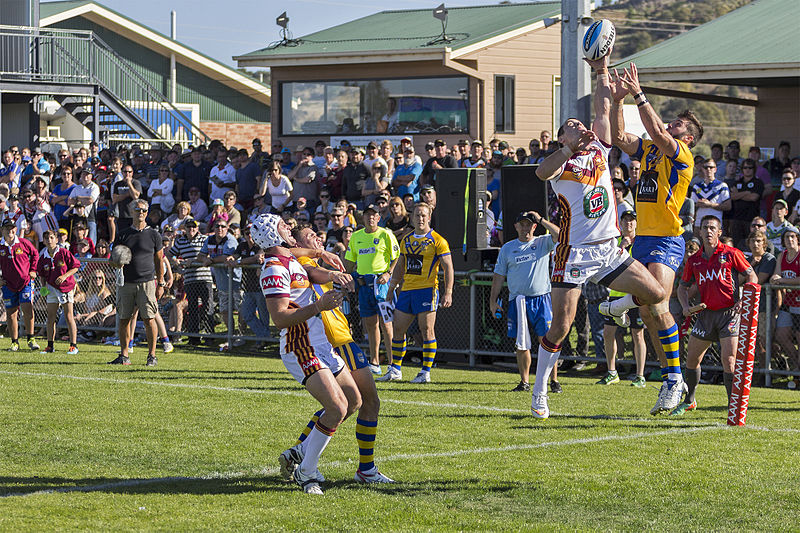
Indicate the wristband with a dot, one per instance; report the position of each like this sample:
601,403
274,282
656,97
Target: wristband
638,95
602,76
567,151
643,102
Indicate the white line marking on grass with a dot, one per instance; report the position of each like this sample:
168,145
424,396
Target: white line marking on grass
129,483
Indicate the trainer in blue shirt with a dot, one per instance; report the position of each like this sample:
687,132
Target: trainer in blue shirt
525,262
406,176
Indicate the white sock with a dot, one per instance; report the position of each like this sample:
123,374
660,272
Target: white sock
544,365
617,307
314,445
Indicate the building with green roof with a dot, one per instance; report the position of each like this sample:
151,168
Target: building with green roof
754,45
492,73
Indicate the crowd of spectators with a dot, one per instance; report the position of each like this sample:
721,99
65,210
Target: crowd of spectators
202,199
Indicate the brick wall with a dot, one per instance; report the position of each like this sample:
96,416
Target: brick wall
236,134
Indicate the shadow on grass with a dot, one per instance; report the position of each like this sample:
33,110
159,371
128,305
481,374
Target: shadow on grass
26,486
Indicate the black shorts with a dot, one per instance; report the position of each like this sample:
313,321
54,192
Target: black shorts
712,326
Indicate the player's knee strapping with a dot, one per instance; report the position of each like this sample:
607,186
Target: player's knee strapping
398,353
304,435
365,436
428,354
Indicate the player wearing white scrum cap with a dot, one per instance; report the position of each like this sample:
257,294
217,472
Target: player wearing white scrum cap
305,350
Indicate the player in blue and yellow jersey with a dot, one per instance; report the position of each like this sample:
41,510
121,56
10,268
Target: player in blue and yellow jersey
422,252
667,167
337,329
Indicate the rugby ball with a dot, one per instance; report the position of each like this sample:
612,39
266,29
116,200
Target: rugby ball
121,255
599,39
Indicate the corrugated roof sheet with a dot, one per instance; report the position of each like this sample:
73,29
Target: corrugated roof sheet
414,29
763,32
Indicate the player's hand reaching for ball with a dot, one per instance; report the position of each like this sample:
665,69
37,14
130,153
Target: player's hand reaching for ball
630,77
330,300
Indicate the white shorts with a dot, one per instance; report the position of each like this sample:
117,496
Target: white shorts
575,265
55,296
302,367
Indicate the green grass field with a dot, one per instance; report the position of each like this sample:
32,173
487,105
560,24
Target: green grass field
193,444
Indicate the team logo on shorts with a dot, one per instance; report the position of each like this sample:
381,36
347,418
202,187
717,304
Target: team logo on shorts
595,203
575,273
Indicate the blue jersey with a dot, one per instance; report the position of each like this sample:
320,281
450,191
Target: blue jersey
526,265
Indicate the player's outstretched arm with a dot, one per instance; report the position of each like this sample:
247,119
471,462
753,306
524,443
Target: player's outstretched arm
551,166
650,120
627,142
283,316
602,99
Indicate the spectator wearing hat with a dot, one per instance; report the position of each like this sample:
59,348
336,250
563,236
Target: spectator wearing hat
778,225
405,142
222,177
319,154
711,197
524,263
38,165
406,179
376,183
193,174
304,179
428,195
475,158
355,174
430,149
372,157
217,214
196,280
440,159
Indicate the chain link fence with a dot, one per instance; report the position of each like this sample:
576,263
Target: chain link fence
230,318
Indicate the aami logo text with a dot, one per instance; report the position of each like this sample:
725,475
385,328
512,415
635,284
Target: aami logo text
310,363
271,282
718,275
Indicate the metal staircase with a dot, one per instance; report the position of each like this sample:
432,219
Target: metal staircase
100,88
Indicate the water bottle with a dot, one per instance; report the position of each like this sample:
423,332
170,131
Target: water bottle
499,313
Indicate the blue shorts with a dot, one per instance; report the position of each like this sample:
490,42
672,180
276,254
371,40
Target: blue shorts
665,250
13,298
418,301
367,303
539,311
353,357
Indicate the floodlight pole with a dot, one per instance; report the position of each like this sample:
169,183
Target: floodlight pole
576,82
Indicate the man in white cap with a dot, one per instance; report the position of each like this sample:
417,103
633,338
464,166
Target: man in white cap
305,350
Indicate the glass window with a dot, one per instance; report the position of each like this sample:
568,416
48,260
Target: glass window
430,105
504,104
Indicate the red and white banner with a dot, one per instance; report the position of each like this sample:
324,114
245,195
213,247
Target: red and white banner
745,355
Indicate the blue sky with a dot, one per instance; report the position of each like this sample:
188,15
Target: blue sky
231,27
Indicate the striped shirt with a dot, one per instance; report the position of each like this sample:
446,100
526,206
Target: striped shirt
188,249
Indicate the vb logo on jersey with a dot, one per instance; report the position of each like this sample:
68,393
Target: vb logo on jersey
595,203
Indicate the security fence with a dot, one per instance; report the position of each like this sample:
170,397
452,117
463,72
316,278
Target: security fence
466,332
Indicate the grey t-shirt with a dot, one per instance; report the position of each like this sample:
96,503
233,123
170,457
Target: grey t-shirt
526,265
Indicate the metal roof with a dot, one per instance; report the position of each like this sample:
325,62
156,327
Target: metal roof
751,44
413,30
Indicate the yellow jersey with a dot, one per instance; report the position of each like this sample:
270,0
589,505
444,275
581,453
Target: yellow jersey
422,254
662,188
337,328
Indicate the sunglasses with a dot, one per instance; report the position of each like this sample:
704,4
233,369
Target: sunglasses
748,166
754,225
324,196
709,167
140,210
787,178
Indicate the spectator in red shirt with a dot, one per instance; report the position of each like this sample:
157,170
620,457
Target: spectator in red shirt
712,268
18,260
57,267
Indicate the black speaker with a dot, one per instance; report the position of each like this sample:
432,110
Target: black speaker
521,191
453,187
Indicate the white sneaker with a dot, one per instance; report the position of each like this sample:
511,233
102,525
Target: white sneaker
673,395
375,369
622,320
391,375
539,407
659,406
374,477
168,347
73,350
422,377
289,461
310,483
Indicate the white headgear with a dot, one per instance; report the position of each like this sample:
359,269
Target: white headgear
265,231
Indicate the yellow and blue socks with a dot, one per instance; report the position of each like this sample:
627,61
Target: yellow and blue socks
365,436
428,354
671,346
304,435
398,353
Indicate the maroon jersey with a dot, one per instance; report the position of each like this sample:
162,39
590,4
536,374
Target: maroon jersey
51,268
17,261
791,269
714,275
